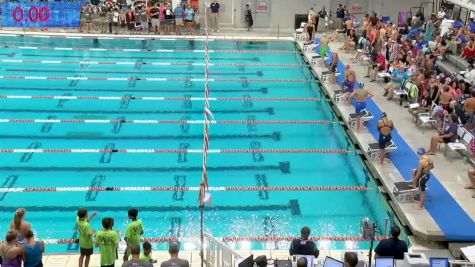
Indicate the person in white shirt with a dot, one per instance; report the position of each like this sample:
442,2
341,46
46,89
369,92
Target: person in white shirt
470,74
441,13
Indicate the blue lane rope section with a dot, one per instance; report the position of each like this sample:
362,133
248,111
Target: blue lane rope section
444,209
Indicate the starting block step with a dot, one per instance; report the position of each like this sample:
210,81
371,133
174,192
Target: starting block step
374,150
404,192
365,117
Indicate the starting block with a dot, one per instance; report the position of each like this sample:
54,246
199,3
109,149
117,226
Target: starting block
374,151
318,61
365,117
309,48
341,96
329,77
404,192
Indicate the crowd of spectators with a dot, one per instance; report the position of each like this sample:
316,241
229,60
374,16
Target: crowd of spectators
138,17
21,247
410,58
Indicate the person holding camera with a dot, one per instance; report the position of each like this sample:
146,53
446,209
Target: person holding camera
393,246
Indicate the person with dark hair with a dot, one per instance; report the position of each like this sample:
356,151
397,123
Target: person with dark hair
33,251
351,259
85,236
136,261
248,17
449,135
134,231
146,254
107,240
392,247
10,253
302,245
174,261
302,262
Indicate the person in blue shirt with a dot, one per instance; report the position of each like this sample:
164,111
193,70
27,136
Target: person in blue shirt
471,25
189,15
179,14
398,76
457,24
214,8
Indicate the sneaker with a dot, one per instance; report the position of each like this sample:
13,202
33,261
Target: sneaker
390,98
367,76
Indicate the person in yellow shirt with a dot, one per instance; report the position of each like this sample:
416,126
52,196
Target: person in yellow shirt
146,254
85,236
133,233
107,241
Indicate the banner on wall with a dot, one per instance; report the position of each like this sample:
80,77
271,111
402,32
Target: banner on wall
41,14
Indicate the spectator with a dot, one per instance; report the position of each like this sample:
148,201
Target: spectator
322,14
168,15
189,15
250,20
448,136
19,225
85,236
161,16
302,245
33,251
359,97
398,76
374,20
10,253
340,15
130,20
392,247
214,7
88,16
174,261
457,24
136,261
107,241
445,96
469,49
385,127
134,232
425,104
146,254
302,262
351,259
441,13
470,74
378,65
469,110
179,16
155,14
351,41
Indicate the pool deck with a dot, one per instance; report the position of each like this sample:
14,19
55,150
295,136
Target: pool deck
451,172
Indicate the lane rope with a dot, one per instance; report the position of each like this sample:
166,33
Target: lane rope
172,188
165,151
21,77
161,98
148,63
92,121
231,239
91,49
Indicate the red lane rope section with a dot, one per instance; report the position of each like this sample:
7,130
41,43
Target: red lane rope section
312,151
172,188
231,239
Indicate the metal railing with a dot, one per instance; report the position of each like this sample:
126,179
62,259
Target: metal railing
218,254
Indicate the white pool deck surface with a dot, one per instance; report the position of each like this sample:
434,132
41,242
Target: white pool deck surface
451,171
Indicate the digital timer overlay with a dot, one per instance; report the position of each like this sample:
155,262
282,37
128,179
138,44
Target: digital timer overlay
41,14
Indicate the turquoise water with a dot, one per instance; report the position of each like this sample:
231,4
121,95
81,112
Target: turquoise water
172,214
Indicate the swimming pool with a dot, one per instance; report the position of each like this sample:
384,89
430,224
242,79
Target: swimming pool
106,68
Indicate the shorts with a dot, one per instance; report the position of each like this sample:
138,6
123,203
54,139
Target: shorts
188,20
448,140
168,22
131,26
112,265
155,23
179,21
86,251
384,140
423,181
359,106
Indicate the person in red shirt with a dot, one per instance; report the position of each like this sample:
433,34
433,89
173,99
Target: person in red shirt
378,65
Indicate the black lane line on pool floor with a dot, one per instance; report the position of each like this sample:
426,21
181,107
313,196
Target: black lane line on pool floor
257,73
97,181
283,167
253,59
28,155
275,136
9,182
261,90
269,110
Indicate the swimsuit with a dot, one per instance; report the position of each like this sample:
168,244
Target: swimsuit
6,262
384,139
425,175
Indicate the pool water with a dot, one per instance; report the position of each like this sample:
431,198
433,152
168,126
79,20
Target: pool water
175,213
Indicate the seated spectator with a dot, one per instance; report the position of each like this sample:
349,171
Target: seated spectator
441,13
469,49
470,74
392,247
350,42
398,76
377,66
10,253
448,136
136,261
34,250
351,259
425,104
445,96
457,24
174,260
469,111
303,246
302,262
471,177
